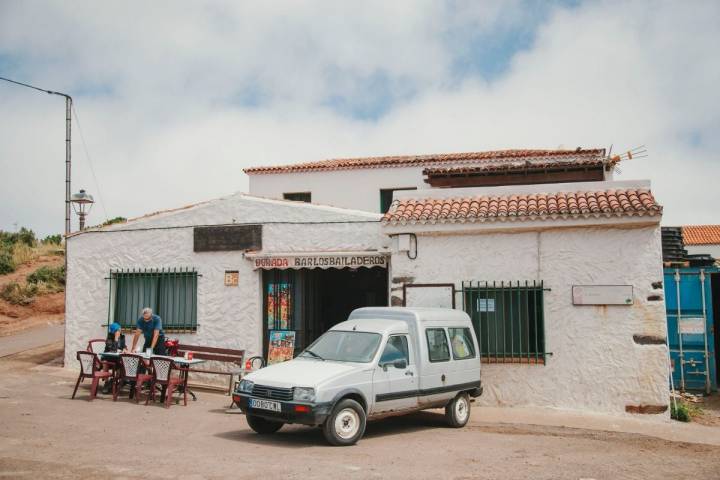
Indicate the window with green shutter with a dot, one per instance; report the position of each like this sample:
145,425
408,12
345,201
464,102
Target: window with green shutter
170,292
508,318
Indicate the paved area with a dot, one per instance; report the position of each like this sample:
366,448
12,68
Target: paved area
44,434
31,339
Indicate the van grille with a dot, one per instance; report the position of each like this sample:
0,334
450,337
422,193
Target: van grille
274,393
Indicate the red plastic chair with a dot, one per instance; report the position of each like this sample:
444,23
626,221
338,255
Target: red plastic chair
129,371
162,375
90,367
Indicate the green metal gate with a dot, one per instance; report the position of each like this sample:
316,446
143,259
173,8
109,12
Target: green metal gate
509,319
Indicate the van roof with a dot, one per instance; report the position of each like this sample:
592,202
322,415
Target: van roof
412,314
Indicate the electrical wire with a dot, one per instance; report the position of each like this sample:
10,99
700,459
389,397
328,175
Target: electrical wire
89,160
51,92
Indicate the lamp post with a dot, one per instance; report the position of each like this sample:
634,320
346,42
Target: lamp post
82,203
68,109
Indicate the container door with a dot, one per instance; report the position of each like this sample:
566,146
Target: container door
690,329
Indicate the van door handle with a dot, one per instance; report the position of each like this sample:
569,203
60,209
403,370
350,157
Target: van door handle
409,373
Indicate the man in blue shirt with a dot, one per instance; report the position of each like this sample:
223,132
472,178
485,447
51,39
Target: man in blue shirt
150,325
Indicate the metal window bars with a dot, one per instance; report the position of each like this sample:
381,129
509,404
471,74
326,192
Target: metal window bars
170,292
508,318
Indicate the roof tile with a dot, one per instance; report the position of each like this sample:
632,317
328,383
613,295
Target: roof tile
534,206
701,234
495,157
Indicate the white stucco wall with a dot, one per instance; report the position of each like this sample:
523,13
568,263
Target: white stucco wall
227,316
358,189
595,363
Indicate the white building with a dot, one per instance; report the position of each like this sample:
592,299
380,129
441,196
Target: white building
368,183
557,277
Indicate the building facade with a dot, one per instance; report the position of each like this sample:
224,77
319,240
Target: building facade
562,275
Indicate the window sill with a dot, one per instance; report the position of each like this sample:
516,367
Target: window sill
514,360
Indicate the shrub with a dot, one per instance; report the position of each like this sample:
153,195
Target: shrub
679,412
18,294
25,236
52,240
22,253
7,265
51,276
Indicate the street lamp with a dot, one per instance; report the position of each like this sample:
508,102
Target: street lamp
82,204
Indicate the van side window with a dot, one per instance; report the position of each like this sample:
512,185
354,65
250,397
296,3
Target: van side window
462,343
438,349
396,349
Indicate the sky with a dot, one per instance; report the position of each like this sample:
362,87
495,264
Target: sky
175,98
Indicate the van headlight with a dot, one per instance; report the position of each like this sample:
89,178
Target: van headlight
246,386
304,394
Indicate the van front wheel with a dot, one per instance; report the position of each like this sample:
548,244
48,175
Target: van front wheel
457,412
346,424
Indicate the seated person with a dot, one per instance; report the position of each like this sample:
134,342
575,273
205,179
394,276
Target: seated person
115,342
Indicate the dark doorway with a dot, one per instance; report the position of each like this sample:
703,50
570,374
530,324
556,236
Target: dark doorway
310,301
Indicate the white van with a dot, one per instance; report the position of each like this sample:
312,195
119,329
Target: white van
378,363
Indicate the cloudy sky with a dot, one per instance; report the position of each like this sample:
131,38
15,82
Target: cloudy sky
176,98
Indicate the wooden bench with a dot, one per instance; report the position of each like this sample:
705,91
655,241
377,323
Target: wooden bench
226,355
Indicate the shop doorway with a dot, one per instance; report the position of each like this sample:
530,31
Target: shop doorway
310,301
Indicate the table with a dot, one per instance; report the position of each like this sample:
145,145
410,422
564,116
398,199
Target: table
178,360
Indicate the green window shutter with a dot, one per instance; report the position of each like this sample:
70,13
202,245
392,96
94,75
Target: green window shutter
171,293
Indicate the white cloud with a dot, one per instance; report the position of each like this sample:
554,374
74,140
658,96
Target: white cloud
162,93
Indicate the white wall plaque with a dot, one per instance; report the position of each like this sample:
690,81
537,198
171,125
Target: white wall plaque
602,294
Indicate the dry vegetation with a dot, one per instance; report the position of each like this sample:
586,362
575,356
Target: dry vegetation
32,281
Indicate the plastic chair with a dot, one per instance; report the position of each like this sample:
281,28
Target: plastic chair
129,372
162,375
96,345
90,367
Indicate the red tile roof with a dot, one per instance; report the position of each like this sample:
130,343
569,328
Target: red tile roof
701,234
534,206
515,166
439,159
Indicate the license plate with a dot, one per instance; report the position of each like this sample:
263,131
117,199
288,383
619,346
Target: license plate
265,405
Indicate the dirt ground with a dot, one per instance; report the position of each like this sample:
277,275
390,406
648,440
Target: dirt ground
45,434
45,310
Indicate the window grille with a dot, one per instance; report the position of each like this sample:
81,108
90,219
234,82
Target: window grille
171,293
508,318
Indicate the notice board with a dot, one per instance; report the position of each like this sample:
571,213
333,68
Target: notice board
227,238
602,294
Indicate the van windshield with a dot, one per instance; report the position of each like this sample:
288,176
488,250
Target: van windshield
343,346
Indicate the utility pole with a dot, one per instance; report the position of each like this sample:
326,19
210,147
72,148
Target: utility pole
68,114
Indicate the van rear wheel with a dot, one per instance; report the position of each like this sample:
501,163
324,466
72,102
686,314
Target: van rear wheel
457,412
263,426
346,424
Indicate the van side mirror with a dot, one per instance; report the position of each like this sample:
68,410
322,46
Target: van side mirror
400,364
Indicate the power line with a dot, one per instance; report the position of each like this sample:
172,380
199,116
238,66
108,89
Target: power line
90,164
51,92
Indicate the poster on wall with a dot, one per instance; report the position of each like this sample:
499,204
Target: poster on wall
278,306
281,347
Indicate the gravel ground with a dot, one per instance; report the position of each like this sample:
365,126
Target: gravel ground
44,434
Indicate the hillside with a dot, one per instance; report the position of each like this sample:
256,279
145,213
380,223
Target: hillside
45,309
